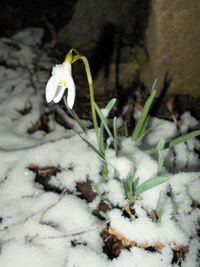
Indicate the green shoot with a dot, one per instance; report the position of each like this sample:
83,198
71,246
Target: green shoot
129,187
132,190
110,105
103,119
176,141
160,148
104,215
99,153
102,197
152,127
153,182
115,135
183,138
142,121
143,130
75,116
160,205
101,144
125,129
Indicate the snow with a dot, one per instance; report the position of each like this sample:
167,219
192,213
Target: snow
137,256
40,227
143,230
187,122
120,165
160,128
114,192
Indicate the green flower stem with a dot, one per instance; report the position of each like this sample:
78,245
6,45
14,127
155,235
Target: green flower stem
89,78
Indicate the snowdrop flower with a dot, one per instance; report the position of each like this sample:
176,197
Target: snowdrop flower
61,80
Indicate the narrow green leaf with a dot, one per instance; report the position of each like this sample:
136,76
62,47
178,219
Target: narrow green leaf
101,140
136,182
160,205
115,135
103,119
176,141
99,153
184,138
104,215
145,112
125,129
154,126
110,105
129,181
75,116
153,182
96,189
143,130
160,148
125,186
129,188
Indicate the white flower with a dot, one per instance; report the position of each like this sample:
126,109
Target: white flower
60,80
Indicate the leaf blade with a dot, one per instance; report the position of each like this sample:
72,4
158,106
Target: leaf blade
151,183
141,121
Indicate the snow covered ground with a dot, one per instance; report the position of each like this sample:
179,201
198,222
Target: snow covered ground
55,225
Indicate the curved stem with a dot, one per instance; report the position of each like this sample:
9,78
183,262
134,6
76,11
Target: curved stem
90,82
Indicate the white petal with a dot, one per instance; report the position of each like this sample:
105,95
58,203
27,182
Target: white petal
59,94
55,88
58,69
68,68
51,87
71,93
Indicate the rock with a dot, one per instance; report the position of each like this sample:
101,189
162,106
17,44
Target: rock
90,21
173,46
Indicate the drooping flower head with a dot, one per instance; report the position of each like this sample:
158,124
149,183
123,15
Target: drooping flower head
61,80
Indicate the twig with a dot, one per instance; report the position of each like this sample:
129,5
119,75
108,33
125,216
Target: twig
86,231
36,213
54,204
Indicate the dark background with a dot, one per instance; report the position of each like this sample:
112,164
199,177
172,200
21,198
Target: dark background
117,43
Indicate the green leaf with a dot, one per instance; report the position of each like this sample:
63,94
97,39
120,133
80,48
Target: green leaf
160,148
160,205
115,135
176,141
143,130
125,186
96,189
129,180
101,140
152,127
136,182
128,185
110,105
143,117
125,129
104,215
103,119
153,182
183,138
75,116
99,153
